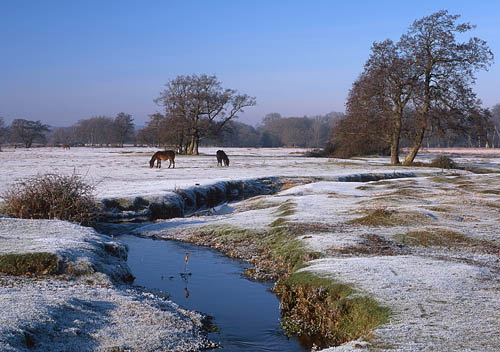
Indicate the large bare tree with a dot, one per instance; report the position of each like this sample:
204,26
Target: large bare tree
200,106
446,70
385,87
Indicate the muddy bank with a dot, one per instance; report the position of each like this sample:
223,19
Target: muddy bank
184,202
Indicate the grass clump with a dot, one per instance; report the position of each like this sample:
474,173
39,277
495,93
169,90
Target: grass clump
52,196
285,209
376,217
490,191
445,238
433,237
285,253
385,217
229,234
326,313
278,222
257,204
29,263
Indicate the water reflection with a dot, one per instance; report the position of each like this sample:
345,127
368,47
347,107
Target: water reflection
245,312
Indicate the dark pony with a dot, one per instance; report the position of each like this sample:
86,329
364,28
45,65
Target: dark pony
163,155
222,157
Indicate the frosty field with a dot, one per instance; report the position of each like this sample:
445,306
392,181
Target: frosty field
427,247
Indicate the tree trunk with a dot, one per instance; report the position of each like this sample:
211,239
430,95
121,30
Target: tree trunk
196,145
396,132
416,145
193,146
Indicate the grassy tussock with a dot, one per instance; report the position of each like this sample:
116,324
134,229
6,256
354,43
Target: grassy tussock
493,205
278,222
229,234
337,195
437,237
258,204
385,217
285,252
29,263
438,209
490,191
366,188
326,310
285,209
453,179
433,237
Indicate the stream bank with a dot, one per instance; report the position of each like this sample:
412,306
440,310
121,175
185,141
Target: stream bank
185,202
246,314
318,312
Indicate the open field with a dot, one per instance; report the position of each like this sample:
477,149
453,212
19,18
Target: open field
426,247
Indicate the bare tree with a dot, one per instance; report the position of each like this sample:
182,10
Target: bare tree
201,104
445,70
386,85
27,131
63,135
123,127
96,130
366,129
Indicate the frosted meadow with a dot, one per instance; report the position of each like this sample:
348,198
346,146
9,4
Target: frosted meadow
425,246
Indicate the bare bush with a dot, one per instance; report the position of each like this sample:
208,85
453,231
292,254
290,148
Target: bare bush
443,162
52,196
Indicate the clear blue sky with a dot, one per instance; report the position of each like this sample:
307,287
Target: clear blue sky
61,61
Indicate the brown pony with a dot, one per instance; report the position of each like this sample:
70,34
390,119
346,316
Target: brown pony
163,155
66,146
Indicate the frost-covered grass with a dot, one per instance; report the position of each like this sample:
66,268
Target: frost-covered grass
69,296
436,267
125,172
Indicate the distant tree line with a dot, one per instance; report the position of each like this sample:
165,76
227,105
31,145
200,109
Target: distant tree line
278,131
96,131
418,92
273,131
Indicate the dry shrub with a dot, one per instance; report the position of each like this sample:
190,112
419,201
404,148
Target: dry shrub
52,196
443,162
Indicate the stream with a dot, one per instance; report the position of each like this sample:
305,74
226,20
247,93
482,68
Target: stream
245,312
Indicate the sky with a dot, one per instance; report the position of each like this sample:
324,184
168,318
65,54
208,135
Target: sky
63,61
